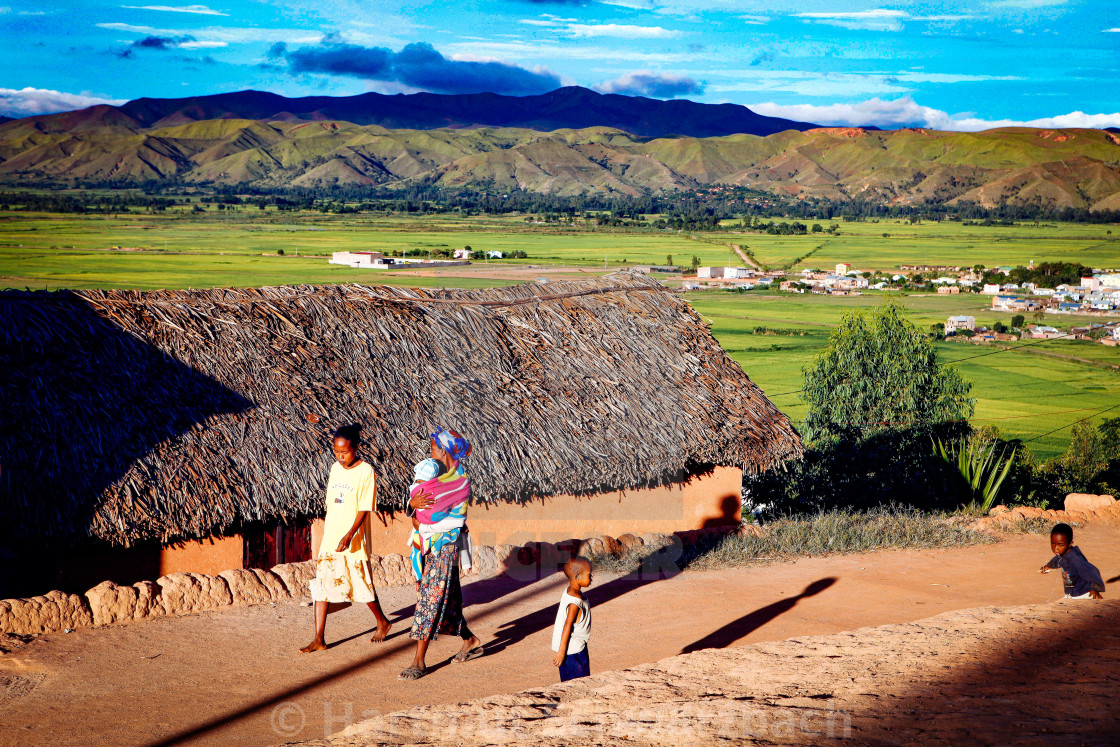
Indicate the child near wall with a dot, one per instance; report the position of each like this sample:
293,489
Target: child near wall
1080,578
573,623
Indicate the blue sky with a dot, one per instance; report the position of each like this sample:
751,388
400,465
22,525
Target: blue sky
948,65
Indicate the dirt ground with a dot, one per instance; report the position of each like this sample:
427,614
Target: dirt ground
1041,674
235,676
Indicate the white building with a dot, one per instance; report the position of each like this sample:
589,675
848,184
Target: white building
494,254
1045,333
462,254
736,273
1004,302
960,322
842,268
992,289
361,260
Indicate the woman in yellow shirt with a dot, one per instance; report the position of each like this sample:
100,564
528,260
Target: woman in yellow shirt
342,568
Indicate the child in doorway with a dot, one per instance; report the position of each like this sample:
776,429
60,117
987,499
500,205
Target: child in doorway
573,622
1081,578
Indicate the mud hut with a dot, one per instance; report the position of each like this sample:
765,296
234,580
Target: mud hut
189,429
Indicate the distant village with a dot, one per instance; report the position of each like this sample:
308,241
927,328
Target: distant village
1095,295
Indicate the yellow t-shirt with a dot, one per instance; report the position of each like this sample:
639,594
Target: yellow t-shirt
349,491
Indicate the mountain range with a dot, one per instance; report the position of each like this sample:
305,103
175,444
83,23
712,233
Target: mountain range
243,139
565,108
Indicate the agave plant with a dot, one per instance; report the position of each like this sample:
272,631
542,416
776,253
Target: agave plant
982,470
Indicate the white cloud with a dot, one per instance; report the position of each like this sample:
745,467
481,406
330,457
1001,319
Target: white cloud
202,44
1113,31
621,31
946,77
653,84
631,4
198,9
811,84
817,83
28,102
507,50
755,20
230,34
878,19
905,112
1028,4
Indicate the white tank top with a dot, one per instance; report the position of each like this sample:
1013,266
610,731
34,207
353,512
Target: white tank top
581,627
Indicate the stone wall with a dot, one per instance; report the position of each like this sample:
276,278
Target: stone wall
182,593
1106,513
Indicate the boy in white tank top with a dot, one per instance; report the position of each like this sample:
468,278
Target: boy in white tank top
573,622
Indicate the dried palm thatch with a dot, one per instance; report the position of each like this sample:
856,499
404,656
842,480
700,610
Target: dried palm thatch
172,415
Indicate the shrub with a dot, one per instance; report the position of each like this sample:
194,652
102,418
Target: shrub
978,470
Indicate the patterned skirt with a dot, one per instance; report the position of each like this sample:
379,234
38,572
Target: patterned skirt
439,609
339,578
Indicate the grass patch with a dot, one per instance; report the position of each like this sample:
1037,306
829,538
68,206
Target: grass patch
1032,525
834,532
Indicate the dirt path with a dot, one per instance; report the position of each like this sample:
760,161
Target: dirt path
235,677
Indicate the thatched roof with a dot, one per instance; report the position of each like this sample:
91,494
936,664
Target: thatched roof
166,415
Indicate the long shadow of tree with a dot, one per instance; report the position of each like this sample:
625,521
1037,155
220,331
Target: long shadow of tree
83,401
733,631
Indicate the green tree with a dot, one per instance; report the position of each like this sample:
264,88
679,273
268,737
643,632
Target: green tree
1018,321
1082,468
669,260
880,373
695,263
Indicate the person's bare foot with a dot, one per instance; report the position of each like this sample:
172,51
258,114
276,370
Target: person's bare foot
315,645
381,632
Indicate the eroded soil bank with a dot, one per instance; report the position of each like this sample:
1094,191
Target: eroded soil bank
1034,674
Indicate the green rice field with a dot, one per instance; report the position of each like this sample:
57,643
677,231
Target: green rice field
1026,392
229,248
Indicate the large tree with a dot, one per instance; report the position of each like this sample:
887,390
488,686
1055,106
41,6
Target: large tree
880,373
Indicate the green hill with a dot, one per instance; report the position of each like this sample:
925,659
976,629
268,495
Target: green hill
1058,168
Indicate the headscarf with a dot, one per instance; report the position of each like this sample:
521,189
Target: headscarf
451,442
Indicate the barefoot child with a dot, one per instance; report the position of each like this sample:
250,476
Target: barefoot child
342,568
573,623
1081,578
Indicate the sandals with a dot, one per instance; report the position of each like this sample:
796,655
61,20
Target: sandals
462,656
412,673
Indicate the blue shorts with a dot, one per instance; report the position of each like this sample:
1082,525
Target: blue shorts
575,665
